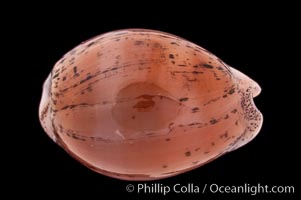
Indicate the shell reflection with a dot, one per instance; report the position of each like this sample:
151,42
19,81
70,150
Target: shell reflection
141,105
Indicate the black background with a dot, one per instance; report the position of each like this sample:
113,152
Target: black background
255,41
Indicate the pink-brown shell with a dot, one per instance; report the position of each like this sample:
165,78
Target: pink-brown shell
140,105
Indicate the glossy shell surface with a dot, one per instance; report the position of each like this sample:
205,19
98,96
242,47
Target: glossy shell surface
141,105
